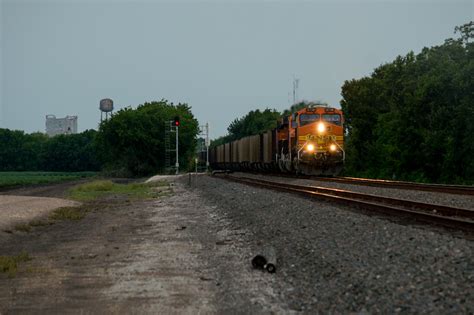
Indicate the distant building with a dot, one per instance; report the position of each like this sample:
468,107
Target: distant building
61,126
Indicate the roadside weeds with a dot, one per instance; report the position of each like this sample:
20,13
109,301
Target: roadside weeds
9,264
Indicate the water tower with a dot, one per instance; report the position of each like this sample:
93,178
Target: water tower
106,106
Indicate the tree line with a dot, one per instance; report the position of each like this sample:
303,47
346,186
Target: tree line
413,118
131,143
20,151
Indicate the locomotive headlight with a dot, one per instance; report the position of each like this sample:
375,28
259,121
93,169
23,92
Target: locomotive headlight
310,147
332,147
321,127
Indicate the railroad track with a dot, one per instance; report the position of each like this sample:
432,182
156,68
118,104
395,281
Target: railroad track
450,189
441,188
457,218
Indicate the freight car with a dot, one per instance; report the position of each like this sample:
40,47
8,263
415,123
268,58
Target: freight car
310,141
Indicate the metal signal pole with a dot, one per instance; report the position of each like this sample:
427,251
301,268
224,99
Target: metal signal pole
177,155
207,146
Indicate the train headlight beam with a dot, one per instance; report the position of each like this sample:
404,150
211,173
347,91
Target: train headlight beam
321,127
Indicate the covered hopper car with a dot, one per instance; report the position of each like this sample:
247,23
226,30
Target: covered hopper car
310,141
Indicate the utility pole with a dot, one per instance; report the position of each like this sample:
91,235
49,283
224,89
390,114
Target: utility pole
295,89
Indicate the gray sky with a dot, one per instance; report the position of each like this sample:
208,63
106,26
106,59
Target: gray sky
223,58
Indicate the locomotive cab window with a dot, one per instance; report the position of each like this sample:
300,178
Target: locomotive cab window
308,118
332,118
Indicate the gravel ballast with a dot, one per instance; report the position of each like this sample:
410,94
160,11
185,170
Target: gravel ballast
332,259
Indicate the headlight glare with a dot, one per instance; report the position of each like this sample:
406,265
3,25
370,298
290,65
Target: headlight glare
321,127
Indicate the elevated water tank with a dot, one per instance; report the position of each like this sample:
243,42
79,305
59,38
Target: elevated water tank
106,105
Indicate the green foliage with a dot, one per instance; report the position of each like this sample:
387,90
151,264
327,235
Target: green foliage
412,119
75,152
22,227
466,30
9,179
221,140
68,213
9,264
38,152
133,139
253,123
102,188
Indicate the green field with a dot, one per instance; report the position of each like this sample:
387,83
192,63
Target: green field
11,179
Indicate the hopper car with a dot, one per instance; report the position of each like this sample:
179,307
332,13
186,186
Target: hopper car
309,141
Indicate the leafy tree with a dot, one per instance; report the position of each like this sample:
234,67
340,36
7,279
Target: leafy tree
133,139
253,123
71,153
412,118
220,140
466,30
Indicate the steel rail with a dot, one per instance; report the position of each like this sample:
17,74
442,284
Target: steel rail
441,188
447,216
449,189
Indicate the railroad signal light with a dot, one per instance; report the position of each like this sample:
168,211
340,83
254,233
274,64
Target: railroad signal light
176,121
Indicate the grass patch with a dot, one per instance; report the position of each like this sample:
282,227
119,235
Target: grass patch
9,264
67,213
103,188
40,223
11,179
23,227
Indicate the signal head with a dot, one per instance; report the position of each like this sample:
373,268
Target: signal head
176,121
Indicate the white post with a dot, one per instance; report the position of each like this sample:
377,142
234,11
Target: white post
177,161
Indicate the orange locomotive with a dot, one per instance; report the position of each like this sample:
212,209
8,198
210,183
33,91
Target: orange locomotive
310,141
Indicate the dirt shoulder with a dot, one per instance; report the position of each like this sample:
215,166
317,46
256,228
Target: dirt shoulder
21,205
172,254
17,210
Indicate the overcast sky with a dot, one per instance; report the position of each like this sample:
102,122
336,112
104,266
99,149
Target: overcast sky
223,58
